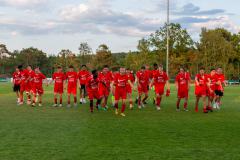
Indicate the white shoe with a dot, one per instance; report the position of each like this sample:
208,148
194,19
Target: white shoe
116,111
54,105
185,109
217,106
20,103
84,101
60,105
178,110
123,115
68,106
40,104
139,107
33,105
81,100
18,100
214,105
143,106
158,108
131,106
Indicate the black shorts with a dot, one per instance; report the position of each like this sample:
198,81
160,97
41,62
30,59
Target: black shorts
219,93
83,86
16,88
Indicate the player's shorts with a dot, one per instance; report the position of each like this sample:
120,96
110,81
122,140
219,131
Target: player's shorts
29,87
159,89
104,92
58,89
23,87
120,93
143,89
37,90
83,87
219,93
182,93
201,91
16,88
72,90
93,95
129,89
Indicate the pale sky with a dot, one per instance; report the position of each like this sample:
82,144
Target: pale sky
52,25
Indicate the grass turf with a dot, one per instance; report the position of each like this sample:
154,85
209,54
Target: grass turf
47,133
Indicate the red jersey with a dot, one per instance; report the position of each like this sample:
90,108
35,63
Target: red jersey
38,79
183,79
213,81
72,78
106,79
221,79
202,80
58,78
83,76
143,78
160,78
16,78
31,75
92,84
120,81
149,73
24,76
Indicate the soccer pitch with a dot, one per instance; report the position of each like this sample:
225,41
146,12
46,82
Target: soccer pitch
47,133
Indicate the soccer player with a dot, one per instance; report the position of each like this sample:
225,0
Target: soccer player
219,88
16,83
120,87
105,78
182,83
58,78
29,85
72,79
23,83
155,69
142,81
129,88
160,80
83,75
212,79
92,85
201,86
37,87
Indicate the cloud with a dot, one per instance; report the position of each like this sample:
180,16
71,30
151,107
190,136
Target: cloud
23,3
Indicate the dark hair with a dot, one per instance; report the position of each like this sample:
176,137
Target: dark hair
202,68
20,67
71,66
84,65
59,67
155,65
105,66
143,67
94,71
212,69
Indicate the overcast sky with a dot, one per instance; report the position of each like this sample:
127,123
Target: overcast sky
52,25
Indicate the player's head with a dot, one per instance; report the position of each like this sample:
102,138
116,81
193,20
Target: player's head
95,73
105,69
213,71
37,70
84,67
29,67
71,68
219,70
155,66
147,67
181,69
202,70
59,69
122,70
128,71
160,67
143,68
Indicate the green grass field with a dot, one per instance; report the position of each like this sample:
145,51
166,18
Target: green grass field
49,133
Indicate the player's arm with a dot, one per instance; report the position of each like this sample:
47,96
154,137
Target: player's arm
131,84
196,80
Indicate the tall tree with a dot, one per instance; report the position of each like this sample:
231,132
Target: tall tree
103,56
85,52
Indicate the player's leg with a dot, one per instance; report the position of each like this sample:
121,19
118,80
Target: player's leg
204,99
55,99
84,94
145,98
81,94
159,99
91,105
129,96
75,99
196,103
116,106
60,101
69,100
185,105
139,99
178,104
40,100
123,107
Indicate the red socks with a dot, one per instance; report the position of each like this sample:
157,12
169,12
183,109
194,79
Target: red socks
123,107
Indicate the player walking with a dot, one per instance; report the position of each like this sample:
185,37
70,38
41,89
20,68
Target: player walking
16,82
83,75
72,79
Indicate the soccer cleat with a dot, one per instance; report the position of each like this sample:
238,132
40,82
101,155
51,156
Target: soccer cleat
217,106
143,106
60,105
33,105
196,109
139,107
116,111
84,101
214,105
209,109
158,108
40,104
20,103
186,110
68,106
81,101
123,115
54,105
205,110
178,110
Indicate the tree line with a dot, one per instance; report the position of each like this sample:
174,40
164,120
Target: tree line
215,48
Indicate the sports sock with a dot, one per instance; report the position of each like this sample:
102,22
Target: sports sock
55,100
185,105
116,105
75,99
123,107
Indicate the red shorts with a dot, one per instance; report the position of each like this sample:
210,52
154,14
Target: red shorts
72,90
183,93
200,91
93,94
143,89
129,89
121,93
210,94
37,90
58,89
104,92
23,87
29,87
159,89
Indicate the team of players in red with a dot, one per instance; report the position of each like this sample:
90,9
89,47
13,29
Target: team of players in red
99,84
